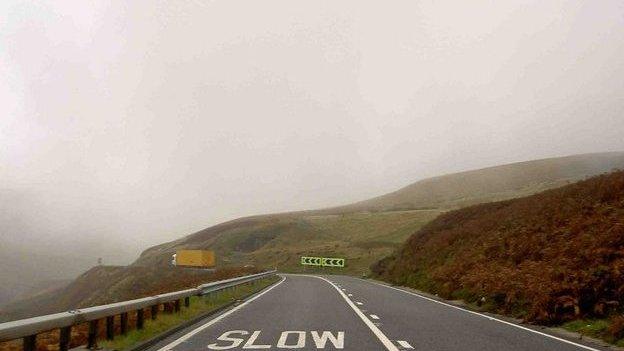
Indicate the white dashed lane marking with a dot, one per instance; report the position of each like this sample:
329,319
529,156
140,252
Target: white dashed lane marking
404,344
358,303
374,328
374,316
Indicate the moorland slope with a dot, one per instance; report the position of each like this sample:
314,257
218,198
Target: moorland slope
550,257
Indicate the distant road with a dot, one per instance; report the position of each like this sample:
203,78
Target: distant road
346,313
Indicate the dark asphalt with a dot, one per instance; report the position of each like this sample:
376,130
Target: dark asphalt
427,325
298,304
308,313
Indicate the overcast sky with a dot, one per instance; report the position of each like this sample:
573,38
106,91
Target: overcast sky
128,123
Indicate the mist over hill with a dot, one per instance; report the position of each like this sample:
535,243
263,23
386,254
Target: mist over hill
26,272
363,232
493,183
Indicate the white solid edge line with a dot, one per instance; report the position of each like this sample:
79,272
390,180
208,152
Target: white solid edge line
378,333
490,318
215,320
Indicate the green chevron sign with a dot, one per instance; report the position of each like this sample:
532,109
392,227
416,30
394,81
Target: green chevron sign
323,261
311,261
333,262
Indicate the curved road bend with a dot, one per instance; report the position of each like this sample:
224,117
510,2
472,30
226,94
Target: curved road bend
346,313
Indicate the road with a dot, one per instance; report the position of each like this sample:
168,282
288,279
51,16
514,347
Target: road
346,313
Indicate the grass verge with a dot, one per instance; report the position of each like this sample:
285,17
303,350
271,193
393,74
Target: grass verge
595,328
199,305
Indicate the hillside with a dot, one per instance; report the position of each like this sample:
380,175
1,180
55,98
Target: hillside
367,231
492,184
549,257
280,240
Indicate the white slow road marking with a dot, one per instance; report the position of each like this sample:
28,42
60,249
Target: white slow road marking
404,344
488,317
190,334
228,340
378,333
374,316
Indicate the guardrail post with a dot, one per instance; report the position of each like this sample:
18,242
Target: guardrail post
92,338
110,327
168,307
176,305
64,338
124,323
30,342
140,318
187,301
154,311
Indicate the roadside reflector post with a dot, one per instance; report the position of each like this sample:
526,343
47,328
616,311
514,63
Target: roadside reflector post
110,327
124,323
154,311
64,338
187,301
140,318
92,338
30,343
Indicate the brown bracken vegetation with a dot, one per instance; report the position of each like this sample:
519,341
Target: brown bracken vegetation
548,258
107,284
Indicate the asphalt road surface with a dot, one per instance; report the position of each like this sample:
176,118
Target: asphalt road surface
346,313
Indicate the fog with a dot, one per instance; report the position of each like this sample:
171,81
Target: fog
127,124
